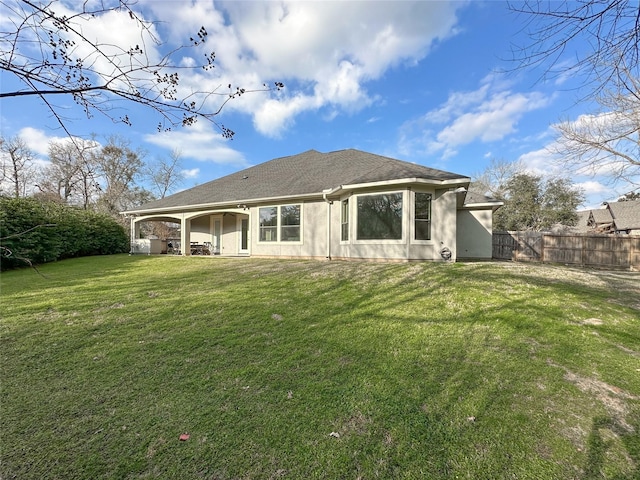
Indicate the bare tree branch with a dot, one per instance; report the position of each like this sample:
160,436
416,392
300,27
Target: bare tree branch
597,38
49,52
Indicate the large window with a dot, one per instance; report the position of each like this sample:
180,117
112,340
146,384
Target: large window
290,223
284,219
380,217
344,220
422,216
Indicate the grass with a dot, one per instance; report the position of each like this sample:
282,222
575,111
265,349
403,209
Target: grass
318,370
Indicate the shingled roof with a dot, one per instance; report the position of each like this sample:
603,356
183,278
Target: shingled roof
307,173
626,215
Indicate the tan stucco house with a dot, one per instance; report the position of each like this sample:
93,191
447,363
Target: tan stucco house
346,204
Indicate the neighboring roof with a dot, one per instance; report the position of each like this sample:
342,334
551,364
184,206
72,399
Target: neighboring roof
582,224
307,173
626,215
601,216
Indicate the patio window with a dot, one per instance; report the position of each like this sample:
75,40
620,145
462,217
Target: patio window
290,223
344,220
380,217
422,216
280,223
268,224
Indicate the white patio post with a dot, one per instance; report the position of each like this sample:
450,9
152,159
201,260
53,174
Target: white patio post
135,234
185,236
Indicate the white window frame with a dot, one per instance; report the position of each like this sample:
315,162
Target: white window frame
278,239
354,219
346,202
413,218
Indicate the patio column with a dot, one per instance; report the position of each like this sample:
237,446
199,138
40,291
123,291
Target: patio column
185,236
134,234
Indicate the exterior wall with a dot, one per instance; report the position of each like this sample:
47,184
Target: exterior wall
201,229
475,234
443,231
313,234
463,233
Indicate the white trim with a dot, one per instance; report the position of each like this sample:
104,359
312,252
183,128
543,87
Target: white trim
412,220
279,240
407,182
239,220
356,219
232,205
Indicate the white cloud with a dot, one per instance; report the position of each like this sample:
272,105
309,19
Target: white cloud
191,173
592,187
540,162
492,119
324,52
487,114
37,140
199,142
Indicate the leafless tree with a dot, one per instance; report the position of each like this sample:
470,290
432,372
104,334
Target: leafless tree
71,175
607,142
596,38
165,174
492,181
18,167
118,167
50,51
600,41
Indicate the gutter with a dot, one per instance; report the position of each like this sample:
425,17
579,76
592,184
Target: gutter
325,194
216,205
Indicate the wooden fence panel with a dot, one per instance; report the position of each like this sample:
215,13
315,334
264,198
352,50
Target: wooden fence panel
504,246
529,247
563,249
604,251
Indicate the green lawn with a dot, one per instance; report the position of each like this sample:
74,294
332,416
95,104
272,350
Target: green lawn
308,370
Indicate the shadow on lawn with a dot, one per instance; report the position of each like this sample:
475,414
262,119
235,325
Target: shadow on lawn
599,444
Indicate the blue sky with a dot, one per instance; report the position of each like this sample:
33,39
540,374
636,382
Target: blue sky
426,82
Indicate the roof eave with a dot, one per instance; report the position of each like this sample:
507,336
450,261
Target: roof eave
221,205
449,183
482,206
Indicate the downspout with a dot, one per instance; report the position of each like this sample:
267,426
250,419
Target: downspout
325,193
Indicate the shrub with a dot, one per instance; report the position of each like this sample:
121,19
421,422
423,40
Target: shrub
34,231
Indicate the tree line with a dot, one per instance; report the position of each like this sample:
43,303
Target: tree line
70,206
106,178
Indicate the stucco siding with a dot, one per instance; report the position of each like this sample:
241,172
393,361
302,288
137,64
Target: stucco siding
201,229
443,224
313,234
474,234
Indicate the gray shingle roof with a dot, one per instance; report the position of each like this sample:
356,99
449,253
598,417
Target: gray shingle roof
475,197
601,216
626,215
307,173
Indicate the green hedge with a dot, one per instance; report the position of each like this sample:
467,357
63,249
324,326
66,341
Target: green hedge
39,232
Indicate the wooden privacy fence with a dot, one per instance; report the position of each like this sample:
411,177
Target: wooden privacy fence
603,251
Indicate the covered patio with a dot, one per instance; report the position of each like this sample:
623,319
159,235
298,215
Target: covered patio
211,232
